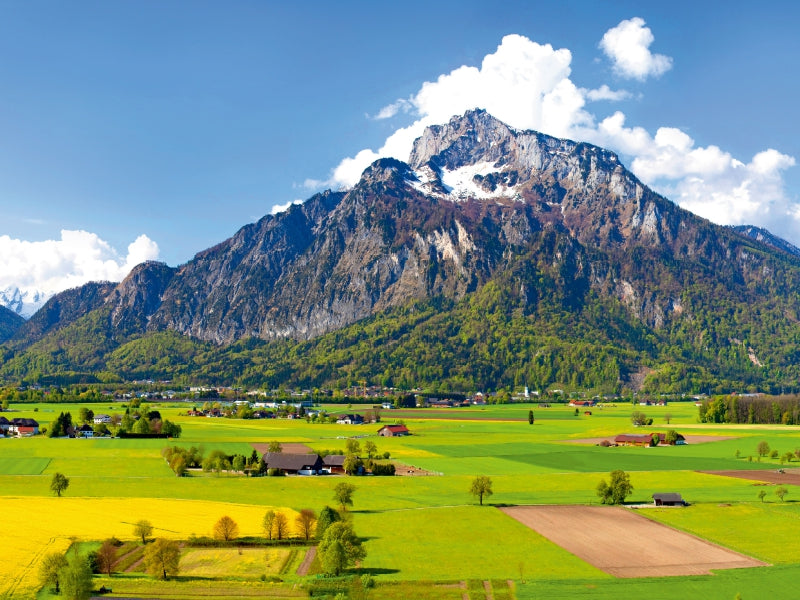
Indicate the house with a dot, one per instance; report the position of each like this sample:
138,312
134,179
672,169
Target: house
333,464
98,419
643,439
293,464
633,439
387,405
668,499
350,420
393,431
84,431
19,426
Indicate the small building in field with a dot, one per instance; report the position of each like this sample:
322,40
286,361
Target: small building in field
21,427
333,464
98,419
393,431
350,420
668,499
293,464
84,431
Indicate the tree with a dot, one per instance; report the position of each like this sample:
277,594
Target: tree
340,548
761,495
671,437
142,529
268,523
162,558
617,490
370,448
481,486
305,520
343,494
668,417
327,517
762,449
638,418
781,492
530,417
351,464
50,568
106,557
275,447
142,426
76,579
352,446
58,484
238,462
281,526
226,529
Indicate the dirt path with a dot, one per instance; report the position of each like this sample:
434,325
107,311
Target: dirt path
306,564
790,476
625,544
487,586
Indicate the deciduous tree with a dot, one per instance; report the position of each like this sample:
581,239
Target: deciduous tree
275,447
49,570
617,490
162,558
343,494
781,492
481,487
327,516
352,446
106,557
142,528
281,525
59,484
340,548
76,579
305,520
370,448
763,448
268,523
226,529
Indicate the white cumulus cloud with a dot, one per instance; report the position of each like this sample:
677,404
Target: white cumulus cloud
52,266
628,47
528,85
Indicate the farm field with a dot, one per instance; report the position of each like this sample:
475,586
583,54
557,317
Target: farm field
416,529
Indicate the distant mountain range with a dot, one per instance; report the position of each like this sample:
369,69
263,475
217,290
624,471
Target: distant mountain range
493,257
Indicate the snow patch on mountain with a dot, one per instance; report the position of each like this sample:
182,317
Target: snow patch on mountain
23,302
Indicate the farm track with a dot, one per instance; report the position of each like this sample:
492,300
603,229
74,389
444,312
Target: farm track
20,576
306,564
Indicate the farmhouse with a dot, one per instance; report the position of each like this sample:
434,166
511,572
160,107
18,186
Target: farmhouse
393,431
293,464
350,420
643,439
22,427
333,464
668,499
98,419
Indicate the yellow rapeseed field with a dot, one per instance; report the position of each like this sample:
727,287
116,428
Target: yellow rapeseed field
34,527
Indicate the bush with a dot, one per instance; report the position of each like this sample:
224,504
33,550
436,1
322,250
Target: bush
275,473
383,470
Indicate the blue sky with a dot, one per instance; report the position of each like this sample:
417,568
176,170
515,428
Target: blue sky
132,130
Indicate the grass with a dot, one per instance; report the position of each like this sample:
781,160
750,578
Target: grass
415,527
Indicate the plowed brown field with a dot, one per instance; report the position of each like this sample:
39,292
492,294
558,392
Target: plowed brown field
625,544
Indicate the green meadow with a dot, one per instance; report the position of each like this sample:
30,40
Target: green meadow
428,528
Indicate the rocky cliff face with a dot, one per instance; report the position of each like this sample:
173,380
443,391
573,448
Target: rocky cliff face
475,200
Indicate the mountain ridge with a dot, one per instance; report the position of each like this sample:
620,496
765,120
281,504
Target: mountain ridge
556,227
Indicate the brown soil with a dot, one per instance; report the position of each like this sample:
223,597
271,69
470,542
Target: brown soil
306,564
625,544
402,470
790,476
287,447
690,439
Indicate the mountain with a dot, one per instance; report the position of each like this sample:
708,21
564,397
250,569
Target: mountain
10,322
762,235
492,257
23,302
